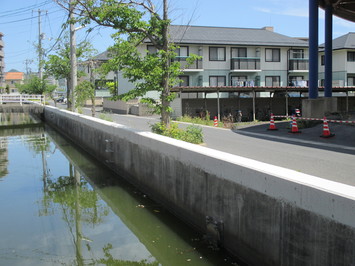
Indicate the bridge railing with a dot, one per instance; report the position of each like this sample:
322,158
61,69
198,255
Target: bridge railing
22,98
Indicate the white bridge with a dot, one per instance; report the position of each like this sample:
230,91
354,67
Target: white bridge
22,99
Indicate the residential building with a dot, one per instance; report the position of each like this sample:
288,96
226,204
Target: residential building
241,56
2,61
89,66
12,78
343,61
238,57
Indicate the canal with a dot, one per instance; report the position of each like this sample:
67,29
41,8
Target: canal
60,207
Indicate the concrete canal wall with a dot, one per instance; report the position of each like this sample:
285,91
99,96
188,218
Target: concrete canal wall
266,215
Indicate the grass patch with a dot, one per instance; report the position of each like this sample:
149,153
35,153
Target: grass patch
197,120
106,116
192,133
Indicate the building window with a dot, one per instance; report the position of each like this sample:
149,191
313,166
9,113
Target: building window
217,81
272,81
351,81
238,52
183,51
272,55
297,81
322,60
351,56
184,81
152,49
297,54
239,81
217,54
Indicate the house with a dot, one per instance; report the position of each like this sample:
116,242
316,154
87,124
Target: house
12,78
2,62
343,61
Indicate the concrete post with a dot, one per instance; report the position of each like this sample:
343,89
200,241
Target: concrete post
218,107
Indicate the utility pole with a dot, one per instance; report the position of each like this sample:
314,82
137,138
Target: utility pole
40,52
73,63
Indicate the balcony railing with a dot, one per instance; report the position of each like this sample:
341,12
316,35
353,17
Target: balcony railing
298,64
245,63
197,64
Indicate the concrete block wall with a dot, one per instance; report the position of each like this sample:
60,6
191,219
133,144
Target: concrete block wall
264,214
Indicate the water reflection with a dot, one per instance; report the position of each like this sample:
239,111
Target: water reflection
61,207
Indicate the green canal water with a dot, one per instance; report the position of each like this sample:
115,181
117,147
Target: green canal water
60,207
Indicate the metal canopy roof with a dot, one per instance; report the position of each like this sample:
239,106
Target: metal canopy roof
341,8
251,89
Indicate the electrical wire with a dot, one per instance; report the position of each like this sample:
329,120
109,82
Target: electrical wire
23,9
24,19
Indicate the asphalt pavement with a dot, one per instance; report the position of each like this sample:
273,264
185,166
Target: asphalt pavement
306,152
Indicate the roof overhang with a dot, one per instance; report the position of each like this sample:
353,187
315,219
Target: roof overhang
342,8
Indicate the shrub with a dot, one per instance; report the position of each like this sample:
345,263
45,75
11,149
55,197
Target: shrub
192,134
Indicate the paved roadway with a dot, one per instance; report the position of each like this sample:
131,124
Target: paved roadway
332,158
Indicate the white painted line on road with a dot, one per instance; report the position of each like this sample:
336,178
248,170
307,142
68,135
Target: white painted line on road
329,145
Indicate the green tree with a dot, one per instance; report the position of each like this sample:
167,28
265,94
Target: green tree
58,64
84,91
35,85
136,22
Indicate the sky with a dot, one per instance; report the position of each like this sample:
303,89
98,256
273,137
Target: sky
19,23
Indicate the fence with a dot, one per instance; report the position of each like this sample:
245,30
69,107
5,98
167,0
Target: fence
22,98
316,119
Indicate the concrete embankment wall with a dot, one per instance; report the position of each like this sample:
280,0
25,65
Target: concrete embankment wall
266,215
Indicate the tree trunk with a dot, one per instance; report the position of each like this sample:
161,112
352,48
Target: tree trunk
92,80
68,95
93,107
165,114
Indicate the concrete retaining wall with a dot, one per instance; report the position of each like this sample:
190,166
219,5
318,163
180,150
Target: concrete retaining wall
133,107
264,214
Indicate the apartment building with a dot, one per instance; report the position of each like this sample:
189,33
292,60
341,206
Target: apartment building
343,61
236,57
2,61
240,57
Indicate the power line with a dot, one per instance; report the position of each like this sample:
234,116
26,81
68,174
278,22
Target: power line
23,9
24,19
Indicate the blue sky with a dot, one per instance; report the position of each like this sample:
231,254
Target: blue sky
19,22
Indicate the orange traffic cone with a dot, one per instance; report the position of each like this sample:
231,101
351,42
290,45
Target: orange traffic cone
215,121
326,131
272,123
294,128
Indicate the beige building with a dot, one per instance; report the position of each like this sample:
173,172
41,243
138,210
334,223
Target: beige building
13,78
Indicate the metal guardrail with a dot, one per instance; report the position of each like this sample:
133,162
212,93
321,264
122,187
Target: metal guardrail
22,98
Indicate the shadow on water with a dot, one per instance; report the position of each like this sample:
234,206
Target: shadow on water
342,142
168,240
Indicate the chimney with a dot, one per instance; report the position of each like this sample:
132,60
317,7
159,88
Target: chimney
269,28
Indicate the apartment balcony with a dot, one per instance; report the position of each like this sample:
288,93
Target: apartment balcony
300,65
196,66
244,64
